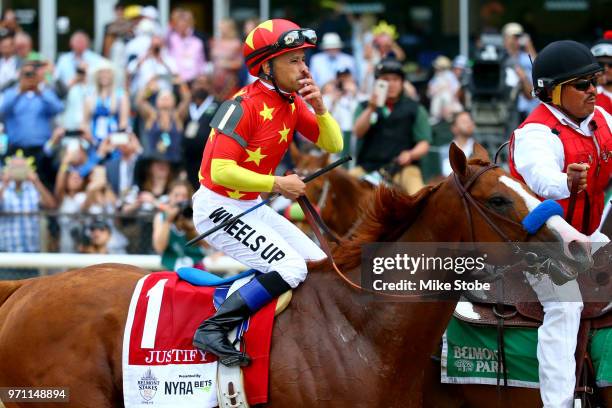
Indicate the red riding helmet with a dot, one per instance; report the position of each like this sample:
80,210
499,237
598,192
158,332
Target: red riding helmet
273,38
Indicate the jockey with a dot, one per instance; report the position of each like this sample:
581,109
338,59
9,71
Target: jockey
565,135
250,135
603,52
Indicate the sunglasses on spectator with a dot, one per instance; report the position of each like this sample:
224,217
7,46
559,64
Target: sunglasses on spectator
288,39
606,64
583,85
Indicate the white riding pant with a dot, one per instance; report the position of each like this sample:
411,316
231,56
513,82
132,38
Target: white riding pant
557,336
262,239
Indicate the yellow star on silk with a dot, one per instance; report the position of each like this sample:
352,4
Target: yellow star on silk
255,156
266,112
235,194
284,134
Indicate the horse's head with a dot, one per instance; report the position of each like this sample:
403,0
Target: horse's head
335,194
495,207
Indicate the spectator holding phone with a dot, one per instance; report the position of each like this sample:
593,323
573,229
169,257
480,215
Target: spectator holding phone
340,96
394,128
163,123
107,109
154,177
517,61
21,191
70,194
28,109
325,65
68,63
100,200
156,63
72,118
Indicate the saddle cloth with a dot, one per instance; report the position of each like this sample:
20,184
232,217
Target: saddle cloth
161,368
469,354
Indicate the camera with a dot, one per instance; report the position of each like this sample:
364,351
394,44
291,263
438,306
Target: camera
80,235
80,71
155,49
185,209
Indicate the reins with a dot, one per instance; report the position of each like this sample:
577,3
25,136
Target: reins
318,225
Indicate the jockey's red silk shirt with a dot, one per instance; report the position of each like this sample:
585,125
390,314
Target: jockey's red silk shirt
267,125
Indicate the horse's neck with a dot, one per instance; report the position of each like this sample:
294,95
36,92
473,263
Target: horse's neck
391,328
343,201
400,322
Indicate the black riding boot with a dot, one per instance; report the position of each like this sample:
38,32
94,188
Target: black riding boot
211,335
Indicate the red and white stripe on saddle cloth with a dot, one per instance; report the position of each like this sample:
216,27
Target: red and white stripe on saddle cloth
161,368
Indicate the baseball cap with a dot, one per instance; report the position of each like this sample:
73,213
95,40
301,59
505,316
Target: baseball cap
511,29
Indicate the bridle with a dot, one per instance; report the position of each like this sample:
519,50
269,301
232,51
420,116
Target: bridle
529,260
485,213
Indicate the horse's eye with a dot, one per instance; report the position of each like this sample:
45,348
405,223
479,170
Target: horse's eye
498,202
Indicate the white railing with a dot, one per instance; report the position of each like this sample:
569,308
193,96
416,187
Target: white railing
54,261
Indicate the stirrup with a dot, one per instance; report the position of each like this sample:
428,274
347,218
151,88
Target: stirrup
241,359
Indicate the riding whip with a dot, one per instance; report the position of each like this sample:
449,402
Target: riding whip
306,179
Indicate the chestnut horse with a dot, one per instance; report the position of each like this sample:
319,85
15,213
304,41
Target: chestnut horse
335,346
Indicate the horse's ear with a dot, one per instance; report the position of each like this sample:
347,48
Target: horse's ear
458,161
294,152
480,153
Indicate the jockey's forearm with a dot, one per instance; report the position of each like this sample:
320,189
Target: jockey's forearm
228,173
330,135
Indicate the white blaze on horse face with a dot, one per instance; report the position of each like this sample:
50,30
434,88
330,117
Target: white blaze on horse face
556,223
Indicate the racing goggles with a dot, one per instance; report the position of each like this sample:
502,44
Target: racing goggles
287,40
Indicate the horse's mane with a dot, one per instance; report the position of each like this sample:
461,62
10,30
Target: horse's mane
385,217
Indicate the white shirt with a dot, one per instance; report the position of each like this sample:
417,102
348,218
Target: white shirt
148,69
65,69
467,149
9,71
324,67
539,157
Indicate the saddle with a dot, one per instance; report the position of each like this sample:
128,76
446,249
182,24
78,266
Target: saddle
230,381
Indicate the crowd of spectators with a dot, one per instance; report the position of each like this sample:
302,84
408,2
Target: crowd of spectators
109,144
